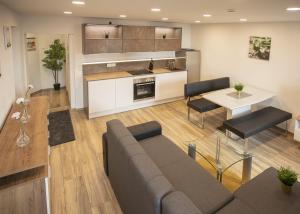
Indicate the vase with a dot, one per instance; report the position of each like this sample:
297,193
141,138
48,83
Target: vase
239,94
23,139
285,188
25,115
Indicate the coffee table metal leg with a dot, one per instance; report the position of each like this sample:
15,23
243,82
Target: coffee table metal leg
247,166
47,195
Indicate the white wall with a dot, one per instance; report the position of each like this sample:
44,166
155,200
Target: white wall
224,52
72,25
7,82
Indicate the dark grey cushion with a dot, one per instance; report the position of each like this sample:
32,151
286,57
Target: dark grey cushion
197,88
236,207
145,130
178,203
202,105
186,175
264,194
257,121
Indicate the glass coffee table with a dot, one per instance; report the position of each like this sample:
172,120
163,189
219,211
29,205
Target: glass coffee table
221,152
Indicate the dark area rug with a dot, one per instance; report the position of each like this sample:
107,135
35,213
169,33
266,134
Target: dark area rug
60,128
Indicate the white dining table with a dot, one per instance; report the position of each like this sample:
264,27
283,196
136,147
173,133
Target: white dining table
239,106
235,106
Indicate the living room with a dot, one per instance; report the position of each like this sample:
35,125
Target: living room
149,107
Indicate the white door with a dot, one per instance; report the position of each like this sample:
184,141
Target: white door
124,92
170,85
102,95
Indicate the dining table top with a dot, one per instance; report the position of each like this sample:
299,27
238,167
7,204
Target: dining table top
229,99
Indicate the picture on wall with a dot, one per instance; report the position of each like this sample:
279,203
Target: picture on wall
6,37
31,44
260,47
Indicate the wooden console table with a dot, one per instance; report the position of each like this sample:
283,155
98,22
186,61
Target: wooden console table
19,166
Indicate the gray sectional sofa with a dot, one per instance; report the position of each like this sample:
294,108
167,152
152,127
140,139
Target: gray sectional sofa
151,175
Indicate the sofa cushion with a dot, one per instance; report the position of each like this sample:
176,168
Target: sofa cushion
178,203
236,207
263,194
186,175
145,130
202,105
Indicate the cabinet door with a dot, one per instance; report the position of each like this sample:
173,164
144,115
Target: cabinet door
94,46
114,46
138,32
124,92
138,45
102,95
170,85
167,44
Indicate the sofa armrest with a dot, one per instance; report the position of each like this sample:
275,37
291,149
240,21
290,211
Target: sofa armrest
145,130
178,203
105,153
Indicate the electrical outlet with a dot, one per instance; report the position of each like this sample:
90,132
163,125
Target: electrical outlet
110,65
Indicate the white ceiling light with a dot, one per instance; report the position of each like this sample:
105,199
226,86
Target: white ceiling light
155,9
293,9
68,12
243,20
123,16
206,15
165,19
78,2
197,21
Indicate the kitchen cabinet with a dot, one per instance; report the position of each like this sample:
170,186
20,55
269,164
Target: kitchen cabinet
102,95
138,39
101,39
124,92
170,85
167,39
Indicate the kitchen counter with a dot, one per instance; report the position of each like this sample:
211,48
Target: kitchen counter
121,74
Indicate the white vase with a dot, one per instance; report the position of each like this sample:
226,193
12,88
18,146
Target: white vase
23,139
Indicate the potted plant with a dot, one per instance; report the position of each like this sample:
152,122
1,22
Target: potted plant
54,60
239,88
287,177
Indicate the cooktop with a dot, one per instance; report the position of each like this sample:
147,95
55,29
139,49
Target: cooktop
139,72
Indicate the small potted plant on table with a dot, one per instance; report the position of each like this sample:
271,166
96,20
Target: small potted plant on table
239,88
287,177
54,60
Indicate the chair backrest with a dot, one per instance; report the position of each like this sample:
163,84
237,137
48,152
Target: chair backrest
197,88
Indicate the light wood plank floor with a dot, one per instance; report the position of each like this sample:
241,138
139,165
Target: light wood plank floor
78,182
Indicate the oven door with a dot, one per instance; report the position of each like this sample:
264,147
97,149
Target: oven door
144,90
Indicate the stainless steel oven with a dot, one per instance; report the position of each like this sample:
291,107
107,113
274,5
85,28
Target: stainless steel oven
144,88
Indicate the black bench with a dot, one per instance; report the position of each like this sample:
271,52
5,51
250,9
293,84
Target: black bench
257,121
197,88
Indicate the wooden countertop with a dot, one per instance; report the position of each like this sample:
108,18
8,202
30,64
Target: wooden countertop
32,159
120,74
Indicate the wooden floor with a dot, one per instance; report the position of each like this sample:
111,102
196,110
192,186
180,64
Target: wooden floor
78,182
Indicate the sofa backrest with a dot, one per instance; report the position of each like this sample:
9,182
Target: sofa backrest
197,88
137,182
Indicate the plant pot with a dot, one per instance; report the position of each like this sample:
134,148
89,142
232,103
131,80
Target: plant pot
286,189
56,86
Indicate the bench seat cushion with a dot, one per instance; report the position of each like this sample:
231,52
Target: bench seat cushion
257,121
236,207
186,175
264,194
202,105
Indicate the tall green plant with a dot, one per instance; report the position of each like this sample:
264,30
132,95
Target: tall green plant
55,58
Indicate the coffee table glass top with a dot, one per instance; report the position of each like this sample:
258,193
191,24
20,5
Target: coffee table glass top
219,151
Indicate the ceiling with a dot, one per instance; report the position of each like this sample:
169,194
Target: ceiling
186,11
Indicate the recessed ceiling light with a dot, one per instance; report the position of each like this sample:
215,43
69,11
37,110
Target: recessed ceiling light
78,2
68,12
293,9
206,15
197,21
165,19
243,20
155,9
123,16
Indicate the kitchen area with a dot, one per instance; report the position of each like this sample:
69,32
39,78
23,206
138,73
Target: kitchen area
120,85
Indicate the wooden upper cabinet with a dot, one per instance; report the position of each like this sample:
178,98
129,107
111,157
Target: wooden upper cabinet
167,39
101,39
138,32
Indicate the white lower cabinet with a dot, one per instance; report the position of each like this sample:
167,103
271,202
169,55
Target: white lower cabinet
102,95
124,92
170,85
